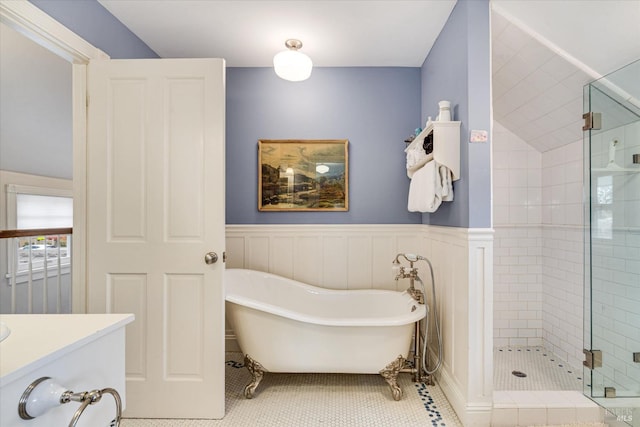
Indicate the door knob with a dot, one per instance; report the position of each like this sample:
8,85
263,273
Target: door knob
210,258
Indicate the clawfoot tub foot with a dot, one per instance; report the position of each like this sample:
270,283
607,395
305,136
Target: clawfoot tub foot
390,375
257,372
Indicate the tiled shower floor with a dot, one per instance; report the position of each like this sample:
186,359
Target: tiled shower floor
549,392
543,370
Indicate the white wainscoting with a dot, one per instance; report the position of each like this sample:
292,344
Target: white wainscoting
330,256
347,256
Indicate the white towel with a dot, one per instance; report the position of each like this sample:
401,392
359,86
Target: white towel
424,194
414,157
445,181
430,186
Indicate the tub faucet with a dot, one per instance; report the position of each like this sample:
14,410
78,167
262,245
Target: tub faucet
420,337
411,274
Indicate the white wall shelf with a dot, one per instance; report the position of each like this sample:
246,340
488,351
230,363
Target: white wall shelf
446,146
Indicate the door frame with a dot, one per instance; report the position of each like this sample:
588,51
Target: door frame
32,22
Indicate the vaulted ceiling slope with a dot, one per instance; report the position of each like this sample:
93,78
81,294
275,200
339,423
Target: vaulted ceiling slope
600,35
543,55
537,94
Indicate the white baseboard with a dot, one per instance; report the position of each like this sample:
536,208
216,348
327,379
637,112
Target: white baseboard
470,414
230,342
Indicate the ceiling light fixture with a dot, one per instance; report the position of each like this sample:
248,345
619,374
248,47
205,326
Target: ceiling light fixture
291,64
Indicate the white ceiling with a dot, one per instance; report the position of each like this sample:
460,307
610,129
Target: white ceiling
544,51
334,33
601,34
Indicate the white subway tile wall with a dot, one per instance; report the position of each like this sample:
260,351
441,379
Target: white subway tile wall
563,252
563,290
517,209
539,260
517,286
538,266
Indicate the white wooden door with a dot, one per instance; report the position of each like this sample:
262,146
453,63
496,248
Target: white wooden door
155,207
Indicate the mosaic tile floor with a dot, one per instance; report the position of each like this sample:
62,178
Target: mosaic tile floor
543,370
321,400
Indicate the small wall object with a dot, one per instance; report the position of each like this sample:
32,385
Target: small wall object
479,136
445,111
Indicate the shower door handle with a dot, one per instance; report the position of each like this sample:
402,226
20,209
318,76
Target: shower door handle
210,258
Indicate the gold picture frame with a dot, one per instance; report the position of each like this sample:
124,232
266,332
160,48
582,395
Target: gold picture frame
303,175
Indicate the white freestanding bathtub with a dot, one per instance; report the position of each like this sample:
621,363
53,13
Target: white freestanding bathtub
283,325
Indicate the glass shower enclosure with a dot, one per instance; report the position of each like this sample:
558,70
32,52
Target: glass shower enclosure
612,243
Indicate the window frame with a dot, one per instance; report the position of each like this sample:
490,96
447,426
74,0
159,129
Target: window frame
37,267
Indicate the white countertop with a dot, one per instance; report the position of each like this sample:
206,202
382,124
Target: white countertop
38,339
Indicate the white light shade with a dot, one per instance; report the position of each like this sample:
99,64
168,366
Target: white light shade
292,65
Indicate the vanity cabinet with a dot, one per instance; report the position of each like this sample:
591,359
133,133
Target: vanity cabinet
81,352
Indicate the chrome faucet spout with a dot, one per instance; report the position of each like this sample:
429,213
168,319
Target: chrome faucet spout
411,273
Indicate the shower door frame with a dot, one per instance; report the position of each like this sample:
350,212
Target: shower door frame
604,226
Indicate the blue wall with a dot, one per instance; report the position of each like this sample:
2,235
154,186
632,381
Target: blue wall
374,108
457,69
91,21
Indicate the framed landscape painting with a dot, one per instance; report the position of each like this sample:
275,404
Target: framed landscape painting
303,175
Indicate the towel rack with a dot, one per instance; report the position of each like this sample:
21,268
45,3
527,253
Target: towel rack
44,394
91,397
446,146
